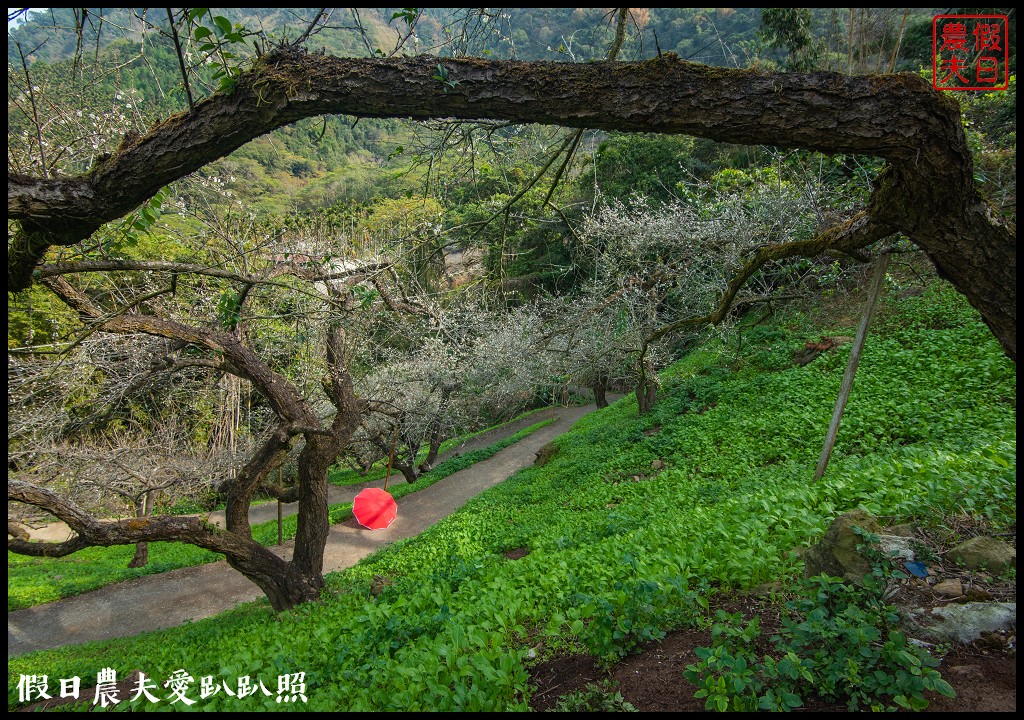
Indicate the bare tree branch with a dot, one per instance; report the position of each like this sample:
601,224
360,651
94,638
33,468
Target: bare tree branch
181,61
92,532
312,274
283,397
857,232
309,30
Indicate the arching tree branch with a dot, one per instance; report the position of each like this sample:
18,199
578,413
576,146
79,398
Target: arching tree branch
91,532
286,401
927,192
857,232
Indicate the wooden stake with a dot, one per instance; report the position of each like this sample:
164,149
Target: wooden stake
851,367
391,457
280,533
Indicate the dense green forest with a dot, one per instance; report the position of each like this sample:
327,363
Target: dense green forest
343,296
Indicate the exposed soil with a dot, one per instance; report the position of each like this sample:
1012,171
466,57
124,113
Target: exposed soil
517,553
984,677
983,673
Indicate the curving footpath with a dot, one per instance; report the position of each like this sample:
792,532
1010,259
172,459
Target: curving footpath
169,599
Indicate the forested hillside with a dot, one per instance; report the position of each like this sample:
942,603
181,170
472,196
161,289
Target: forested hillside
256,251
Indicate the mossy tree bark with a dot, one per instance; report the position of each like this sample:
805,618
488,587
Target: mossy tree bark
926,193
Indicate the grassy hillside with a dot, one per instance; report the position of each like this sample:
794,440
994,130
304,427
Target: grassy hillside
634,525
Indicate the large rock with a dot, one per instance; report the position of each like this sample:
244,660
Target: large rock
984,552
903,530
896,546
837,554
960,623
546,454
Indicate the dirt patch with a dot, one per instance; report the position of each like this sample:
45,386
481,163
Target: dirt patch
561,675
983,673
985,680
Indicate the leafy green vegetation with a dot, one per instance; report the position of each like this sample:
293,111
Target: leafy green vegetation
839,642
637,522
595,697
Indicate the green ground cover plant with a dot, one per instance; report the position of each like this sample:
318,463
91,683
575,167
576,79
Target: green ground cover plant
635,524
837,642
34,581
596,697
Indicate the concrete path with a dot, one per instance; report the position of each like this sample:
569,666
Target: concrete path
169,599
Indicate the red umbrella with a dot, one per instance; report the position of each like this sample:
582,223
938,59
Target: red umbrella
374,508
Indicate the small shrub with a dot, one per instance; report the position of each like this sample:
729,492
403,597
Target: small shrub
839,643
595,697
625,620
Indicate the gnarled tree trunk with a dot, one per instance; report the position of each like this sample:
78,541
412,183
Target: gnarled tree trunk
143,508
646,394
285,583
